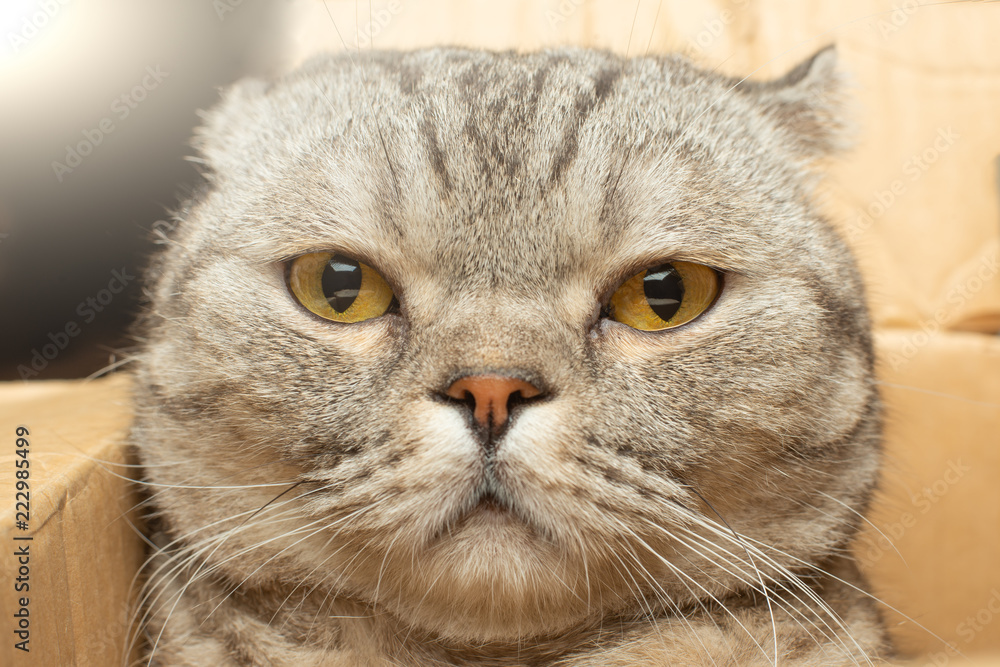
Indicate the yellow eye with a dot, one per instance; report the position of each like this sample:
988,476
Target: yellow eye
665,296
339,288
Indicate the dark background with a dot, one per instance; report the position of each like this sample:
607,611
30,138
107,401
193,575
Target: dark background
63,70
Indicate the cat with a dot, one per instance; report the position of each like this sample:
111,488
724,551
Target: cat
480,358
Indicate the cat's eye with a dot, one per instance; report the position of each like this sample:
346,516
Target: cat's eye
339,288
665,296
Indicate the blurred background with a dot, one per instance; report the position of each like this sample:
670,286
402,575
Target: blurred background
100,98
99,101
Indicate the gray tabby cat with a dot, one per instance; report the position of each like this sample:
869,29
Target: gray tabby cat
473,358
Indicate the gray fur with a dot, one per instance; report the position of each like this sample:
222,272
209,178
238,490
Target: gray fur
504,196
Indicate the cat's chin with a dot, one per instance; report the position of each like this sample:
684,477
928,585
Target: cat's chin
489,577
489,520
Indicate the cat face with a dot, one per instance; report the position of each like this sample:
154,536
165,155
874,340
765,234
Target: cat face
504,199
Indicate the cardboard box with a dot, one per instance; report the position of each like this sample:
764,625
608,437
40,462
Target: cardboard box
933,551
84,548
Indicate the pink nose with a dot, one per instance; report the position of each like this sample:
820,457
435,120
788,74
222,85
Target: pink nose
491,394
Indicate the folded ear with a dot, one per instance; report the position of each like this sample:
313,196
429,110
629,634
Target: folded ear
808,102
229,130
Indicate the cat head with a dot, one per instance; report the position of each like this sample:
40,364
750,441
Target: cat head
499,447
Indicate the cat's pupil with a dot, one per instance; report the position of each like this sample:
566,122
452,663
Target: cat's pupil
341,282
664,290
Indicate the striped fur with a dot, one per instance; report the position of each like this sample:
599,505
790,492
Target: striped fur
680,497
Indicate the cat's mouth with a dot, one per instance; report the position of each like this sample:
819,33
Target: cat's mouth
490,502
487,506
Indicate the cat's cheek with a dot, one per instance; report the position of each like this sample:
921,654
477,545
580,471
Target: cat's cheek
538,448
541,463
374,338
431,467
371,339
445,451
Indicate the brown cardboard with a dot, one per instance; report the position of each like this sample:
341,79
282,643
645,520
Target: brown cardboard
940,497
84,553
